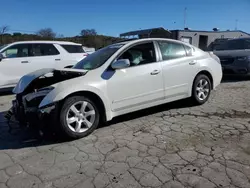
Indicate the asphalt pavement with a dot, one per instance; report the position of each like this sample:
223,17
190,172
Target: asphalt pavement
174,145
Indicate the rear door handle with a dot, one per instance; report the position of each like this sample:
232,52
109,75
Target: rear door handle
24,62
155,72
192,62
57,59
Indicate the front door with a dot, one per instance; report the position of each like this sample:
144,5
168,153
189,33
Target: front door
14,65
140,84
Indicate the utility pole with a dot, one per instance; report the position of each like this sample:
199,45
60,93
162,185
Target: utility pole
185,17
236,24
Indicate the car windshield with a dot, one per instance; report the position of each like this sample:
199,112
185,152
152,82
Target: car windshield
236,44
97,58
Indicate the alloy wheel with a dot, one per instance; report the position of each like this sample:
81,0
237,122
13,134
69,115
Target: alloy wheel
80,116
202,89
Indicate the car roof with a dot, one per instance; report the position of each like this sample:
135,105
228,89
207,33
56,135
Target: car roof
134,41
47,42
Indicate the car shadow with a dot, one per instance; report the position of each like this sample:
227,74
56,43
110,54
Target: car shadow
13,136
234,78
21,137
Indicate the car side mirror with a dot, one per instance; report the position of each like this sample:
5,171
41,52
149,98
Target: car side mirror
1,56
120,64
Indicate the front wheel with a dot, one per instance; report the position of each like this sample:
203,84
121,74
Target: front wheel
79,117
201,89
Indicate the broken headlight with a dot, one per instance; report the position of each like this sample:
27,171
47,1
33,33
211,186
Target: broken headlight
35,98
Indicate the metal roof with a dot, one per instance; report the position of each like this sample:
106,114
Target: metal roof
142,32
231,31
152,39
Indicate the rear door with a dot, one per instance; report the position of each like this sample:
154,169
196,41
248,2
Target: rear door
73,53
42,56
179,68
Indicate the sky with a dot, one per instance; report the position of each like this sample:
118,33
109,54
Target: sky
112,17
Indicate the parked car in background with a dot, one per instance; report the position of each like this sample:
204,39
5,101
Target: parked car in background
88,50
115,80
234,55
216,43
20,58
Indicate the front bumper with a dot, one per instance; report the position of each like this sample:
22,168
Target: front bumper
33,116
235,70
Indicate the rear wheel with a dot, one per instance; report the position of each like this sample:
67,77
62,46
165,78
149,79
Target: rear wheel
79,117
201,89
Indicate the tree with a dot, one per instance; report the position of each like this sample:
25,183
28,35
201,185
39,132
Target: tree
17,34
88,32
3,30
59,36
46,33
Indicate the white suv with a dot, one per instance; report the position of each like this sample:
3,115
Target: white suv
20,58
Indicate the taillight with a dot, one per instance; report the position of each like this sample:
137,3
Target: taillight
215,57
85,54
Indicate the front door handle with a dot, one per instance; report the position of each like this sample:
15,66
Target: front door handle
192,62
24,62
155,72
57,59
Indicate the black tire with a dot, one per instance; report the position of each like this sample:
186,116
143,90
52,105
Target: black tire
66,131
195,99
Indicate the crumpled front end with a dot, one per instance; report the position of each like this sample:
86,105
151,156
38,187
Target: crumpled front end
25,107
32,89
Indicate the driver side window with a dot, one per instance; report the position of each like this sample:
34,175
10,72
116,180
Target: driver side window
140,54
19,50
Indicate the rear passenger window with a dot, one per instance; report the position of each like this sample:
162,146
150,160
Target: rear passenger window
73,48
44,50
171,50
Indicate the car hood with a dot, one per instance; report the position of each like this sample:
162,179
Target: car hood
27,79
232,53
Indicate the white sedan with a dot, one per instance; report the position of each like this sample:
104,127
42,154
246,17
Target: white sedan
115,80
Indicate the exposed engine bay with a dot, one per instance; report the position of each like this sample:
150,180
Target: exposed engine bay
33,87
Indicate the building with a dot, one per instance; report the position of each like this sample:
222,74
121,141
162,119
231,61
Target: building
205,40
159,32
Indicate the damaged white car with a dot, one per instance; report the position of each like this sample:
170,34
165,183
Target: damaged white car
115,80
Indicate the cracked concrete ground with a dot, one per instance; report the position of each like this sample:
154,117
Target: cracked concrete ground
170,146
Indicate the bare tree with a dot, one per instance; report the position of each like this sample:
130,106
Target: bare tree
46,33
88,32
3,30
